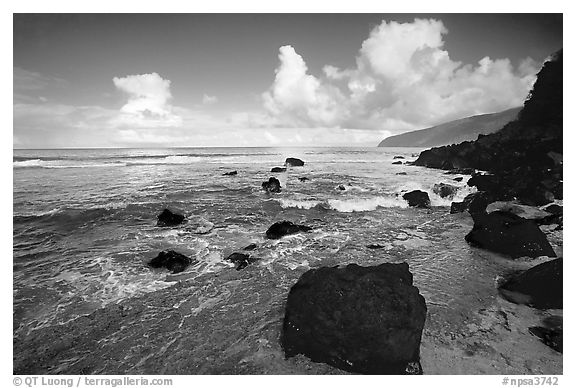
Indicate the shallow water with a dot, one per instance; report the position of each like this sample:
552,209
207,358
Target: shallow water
84,228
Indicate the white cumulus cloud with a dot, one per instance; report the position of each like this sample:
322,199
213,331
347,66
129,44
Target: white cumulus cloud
403,79
299,98
148,101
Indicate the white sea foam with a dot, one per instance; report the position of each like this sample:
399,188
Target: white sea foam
112,281
346,205
436,200
172,159
38,163
365,204
300,204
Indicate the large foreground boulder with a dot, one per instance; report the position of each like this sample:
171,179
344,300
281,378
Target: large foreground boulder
283,228
539,287
509,234
171,260
417,198
167,218
272,186
294,162
359,319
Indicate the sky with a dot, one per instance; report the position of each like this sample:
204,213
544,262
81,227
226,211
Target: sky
207,80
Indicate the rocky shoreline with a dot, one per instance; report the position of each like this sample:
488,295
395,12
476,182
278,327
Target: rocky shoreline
340,317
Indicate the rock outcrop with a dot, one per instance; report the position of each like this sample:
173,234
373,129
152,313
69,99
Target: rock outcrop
167,218
417,198
294,162
242,260
445,190
283,228
171,260
359,319
539,286
527,212
508,234
272,186
474,203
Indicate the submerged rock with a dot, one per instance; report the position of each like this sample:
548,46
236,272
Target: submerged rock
359,319
231,173
398,162
539,286
508,234
199,226
272,186
401,173
341,187
250,247
241,260
417,198
294,162
303,179
278,169
283,228
171,260
445,190
398,157
167,218
458,179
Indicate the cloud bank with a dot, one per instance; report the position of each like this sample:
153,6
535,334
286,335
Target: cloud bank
403,79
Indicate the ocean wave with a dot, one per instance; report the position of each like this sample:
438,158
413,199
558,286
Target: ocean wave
436,200
347,205
365,204
173,159
300,204
105,281
39,163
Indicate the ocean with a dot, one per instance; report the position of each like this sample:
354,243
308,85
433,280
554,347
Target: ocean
85,227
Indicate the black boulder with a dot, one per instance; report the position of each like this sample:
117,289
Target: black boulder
359,319
272,186
283,228
508,234
167,218
539,286
171,260
294,162
241,260
417,198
